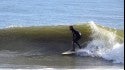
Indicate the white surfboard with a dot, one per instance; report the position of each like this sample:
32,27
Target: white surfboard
68,53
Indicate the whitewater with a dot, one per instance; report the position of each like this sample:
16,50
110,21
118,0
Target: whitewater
104,44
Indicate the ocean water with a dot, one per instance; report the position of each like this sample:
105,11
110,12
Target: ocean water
34,33
54,12
42,47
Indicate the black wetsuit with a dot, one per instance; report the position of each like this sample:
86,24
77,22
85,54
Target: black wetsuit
76,37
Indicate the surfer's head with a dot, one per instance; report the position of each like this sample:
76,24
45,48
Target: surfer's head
71,27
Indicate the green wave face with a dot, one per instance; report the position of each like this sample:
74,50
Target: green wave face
57,37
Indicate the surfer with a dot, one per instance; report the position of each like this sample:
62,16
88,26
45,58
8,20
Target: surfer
76,37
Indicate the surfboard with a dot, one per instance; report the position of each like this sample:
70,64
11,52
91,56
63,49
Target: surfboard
68,53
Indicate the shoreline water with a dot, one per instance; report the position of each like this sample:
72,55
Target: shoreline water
60,62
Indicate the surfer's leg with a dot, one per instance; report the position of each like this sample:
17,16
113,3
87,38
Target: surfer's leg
78,44
73,46
76,41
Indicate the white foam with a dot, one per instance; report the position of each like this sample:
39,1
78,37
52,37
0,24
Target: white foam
104,44
12,26
7,53
116,53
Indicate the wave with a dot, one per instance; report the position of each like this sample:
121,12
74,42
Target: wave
97,40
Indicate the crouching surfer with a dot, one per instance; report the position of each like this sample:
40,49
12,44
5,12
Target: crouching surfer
76,36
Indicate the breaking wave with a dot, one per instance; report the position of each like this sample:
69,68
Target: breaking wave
97,40
105,43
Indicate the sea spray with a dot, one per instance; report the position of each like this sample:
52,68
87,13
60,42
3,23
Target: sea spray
104,44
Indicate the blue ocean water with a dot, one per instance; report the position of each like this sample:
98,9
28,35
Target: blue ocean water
56,12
